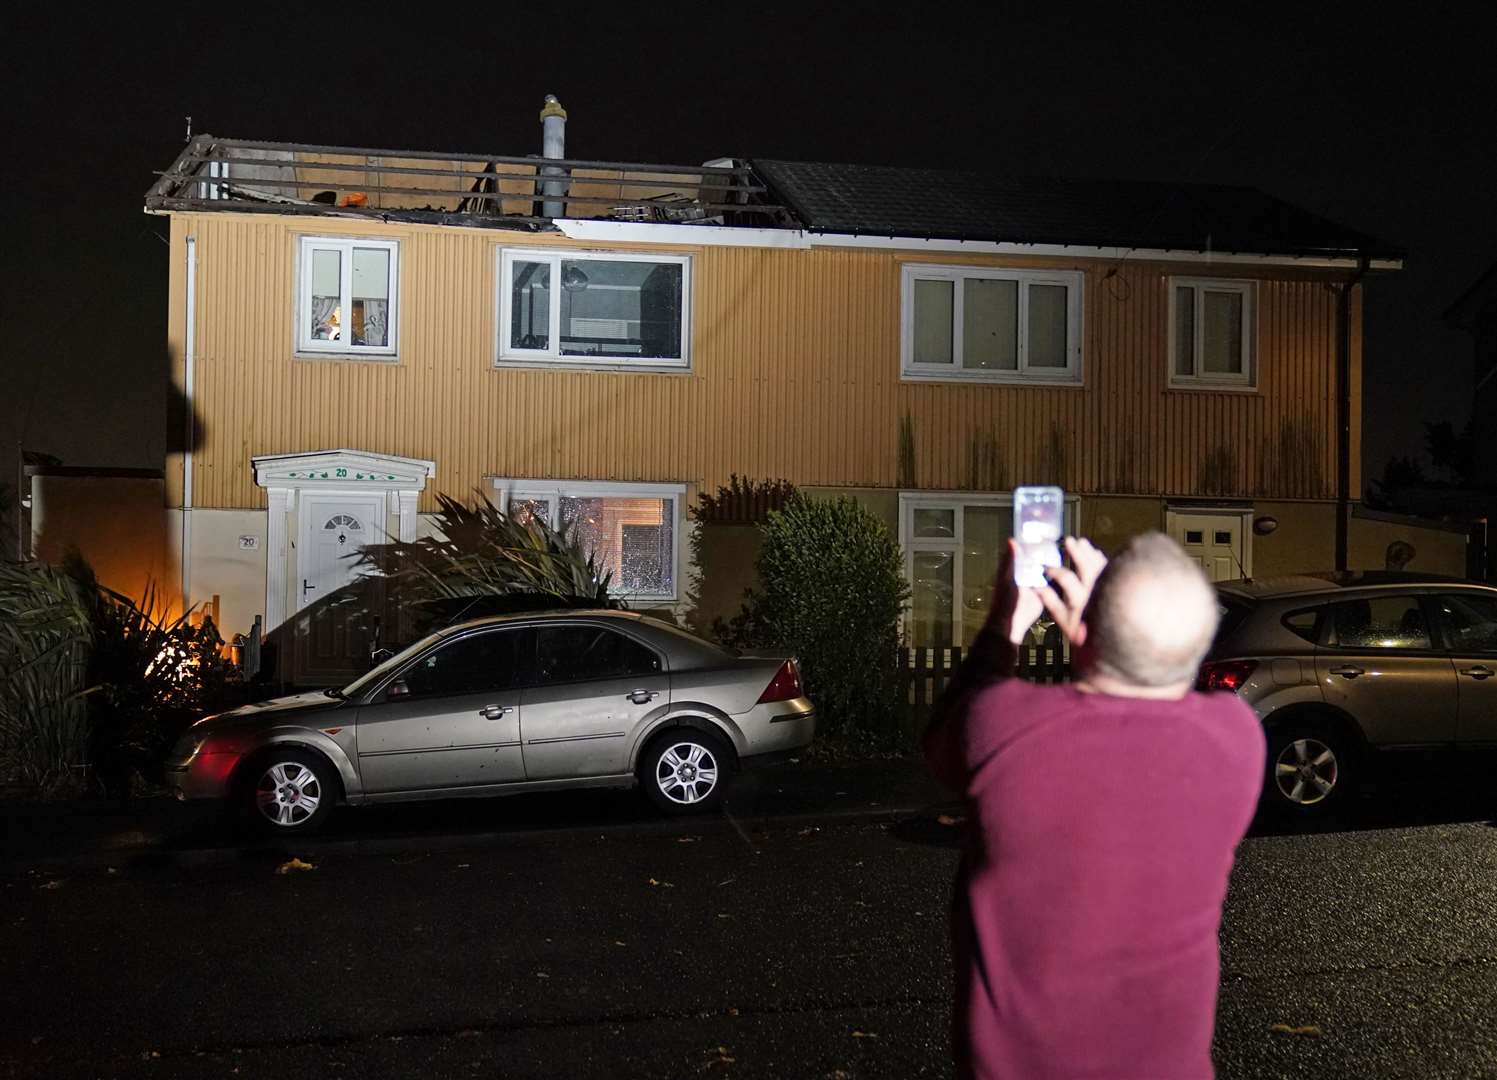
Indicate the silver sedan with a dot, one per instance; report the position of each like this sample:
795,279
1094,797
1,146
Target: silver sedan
504,705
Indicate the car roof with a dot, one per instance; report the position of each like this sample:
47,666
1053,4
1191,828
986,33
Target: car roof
550,615
684,648
1334,581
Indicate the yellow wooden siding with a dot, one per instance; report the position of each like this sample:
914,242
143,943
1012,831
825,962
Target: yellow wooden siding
795,375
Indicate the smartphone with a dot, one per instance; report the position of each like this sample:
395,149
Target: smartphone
1038,523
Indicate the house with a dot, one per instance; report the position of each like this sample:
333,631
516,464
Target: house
355,330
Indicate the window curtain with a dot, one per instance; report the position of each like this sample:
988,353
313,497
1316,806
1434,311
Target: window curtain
376,316
324,326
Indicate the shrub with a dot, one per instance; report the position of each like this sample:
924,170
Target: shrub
148,678
831,590
734,510
742,501
44,646
93,682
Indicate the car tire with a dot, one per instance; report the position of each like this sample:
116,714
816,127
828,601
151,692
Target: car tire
1310,769
287,792
685,770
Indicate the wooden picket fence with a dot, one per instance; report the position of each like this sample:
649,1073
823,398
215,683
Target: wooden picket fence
925,673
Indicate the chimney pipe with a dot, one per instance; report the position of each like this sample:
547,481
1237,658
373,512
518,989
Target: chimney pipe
553,145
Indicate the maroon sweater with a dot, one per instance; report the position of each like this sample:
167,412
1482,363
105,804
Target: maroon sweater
1090,896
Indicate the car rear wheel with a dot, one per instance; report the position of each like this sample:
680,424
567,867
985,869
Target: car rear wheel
288,792
1308,771
684,771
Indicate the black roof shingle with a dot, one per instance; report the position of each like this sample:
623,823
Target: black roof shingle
937,204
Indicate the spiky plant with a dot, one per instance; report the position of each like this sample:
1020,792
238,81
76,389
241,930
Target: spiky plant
479,550
94,685
44,647
149,675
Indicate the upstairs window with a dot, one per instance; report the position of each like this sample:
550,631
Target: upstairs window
982,325
590,309
347,296
1211,337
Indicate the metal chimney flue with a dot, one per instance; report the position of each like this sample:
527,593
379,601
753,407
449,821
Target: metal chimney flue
553,145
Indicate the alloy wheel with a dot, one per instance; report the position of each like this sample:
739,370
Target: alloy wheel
686,773
1306,771
288,793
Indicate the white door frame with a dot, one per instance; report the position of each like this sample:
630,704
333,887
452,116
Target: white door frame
398,481
1244,532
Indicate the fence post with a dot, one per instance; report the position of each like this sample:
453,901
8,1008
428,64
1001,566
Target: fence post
920,674
948,672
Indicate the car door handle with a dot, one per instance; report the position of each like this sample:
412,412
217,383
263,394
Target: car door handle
641,697
1481,671
1347,672
494,712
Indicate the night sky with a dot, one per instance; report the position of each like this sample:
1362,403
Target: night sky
1389,127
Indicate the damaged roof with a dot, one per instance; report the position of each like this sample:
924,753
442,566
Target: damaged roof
937,204
533,193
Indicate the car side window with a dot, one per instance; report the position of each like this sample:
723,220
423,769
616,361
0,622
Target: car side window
470,665
1380,622
1305,623
574,653
1470,623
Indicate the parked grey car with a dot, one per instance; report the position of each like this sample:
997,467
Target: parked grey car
1344,666
502,705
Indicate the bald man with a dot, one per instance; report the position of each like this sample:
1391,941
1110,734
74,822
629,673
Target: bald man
1103,817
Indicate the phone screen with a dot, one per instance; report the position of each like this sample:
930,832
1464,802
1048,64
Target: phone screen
1038,523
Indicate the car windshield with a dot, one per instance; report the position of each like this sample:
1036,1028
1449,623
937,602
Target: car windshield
372,678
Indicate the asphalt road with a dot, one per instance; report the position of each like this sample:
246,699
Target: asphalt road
771,947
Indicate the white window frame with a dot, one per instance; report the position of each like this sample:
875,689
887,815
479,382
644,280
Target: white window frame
1074,283
308,345
551,356
553,491
955,544
1248,290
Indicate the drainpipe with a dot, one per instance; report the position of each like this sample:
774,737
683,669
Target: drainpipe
1343,413
189,363
554,146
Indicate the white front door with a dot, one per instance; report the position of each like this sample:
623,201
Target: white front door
1219,542
333,529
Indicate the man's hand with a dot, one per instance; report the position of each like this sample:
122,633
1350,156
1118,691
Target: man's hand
1066,601
1014,609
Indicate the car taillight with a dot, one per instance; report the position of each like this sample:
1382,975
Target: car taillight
1226,675
784,686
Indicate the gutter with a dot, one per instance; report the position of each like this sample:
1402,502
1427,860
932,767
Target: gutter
1343,411
600,230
